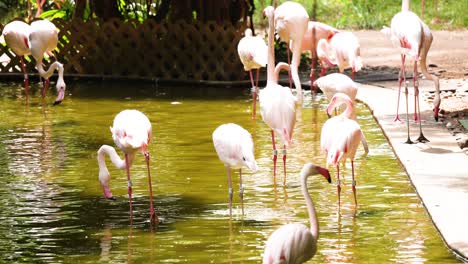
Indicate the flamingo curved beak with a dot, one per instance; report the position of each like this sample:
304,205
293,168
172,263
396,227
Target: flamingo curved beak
325,173
60,96
436,114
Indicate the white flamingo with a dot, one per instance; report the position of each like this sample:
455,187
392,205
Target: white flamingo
413,38
16,34
43,38
253,55
291,20
295,243
131,133
340,138
277,103
235,149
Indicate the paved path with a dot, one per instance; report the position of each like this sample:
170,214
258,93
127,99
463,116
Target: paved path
438,169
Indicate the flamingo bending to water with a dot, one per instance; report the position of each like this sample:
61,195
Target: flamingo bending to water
343,50
295,243
291,20
340,138
235,149
253,55
413,38
277,103
131,133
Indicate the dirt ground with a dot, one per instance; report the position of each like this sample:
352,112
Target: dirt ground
447,59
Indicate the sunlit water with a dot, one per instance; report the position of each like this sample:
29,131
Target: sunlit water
52,208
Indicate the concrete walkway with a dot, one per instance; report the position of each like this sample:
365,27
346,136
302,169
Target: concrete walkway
438,169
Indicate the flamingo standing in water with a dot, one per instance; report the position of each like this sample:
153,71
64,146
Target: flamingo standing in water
315,32
342,49
291,20
253,55
36,39
340,83
277,103
131,133
295,243
235,149
43,38
340,138
16,34
413,38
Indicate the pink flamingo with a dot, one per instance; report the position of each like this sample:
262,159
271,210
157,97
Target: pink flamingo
413,38
291,21
253,55
16,34
315,32
342,49
277,103
235,149
295,243
334,83
131,132
340,138
43,38
36,39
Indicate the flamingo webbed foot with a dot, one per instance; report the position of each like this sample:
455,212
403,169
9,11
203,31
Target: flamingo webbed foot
397,119
422,139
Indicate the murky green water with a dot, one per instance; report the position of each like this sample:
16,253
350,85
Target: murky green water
52,208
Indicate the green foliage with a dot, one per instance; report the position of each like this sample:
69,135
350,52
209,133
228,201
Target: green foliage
65,12
373,14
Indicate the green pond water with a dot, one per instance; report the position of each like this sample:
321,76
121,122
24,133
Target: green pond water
52,209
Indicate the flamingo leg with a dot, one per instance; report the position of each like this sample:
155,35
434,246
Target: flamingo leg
45,88
289,70
353,183
153,215
129,181
352,74
338,184
254,95
26,79
401,76
312,74
241,191
421,137
275,153
284,164
230,189
323,71
408,140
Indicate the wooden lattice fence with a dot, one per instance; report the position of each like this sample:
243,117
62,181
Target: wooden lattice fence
173,51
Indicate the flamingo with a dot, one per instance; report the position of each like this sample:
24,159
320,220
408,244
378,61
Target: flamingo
295,243
315,32
340,138
277,103
16,34
235,149
291,20
131,133
43,38
253,55
342,49
340,83
413,38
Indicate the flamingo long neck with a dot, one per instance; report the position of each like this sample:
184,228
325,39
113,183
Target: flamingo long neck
296,60
280,66
114,157
405,5
349,112
314,225
50,71
271,50
435,79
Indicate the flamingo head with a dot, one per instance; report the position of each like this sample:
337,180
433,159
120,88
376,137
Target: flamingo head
104,179
311,169
249,161
60,92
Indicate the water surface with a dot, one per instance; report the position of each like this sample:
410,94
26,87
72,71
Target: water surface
52,209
